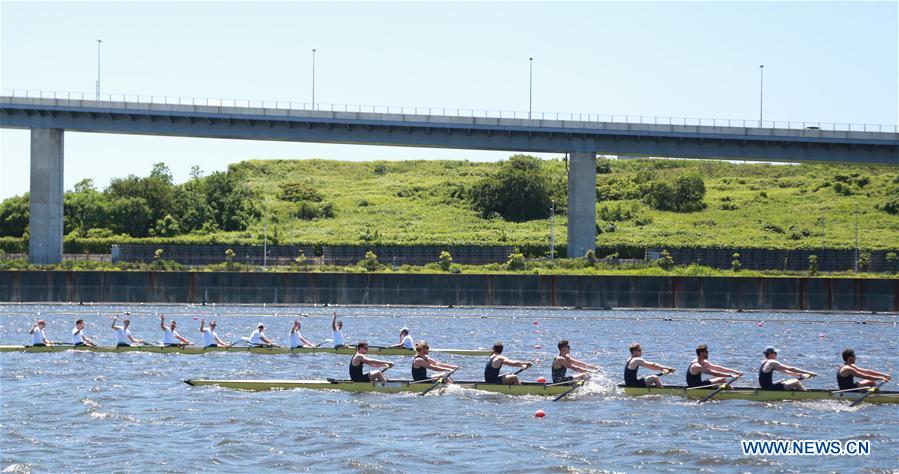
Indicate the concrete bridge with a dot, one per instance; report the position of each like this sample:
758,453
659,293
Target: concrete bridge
581,136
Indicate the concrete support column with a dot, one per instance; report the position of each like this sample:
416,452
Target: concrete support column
581,203
45,242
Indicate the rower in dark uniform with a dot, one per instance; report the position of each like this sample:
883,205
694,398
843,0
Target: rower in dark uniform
770,364
496,362
634,363
359,359
564,361
701,365
422,362
848,371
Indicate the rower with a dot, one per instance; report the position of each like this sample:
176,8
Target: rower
210,338
170,337
337,328
564,361
496,362
770,364
78,337
848,371
634,363
360,359
421,363
701,365
297,339
38,338
405,340
258,337
123,335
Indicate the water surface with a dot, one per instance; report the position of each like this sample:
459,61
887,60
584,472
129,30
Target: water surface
82,411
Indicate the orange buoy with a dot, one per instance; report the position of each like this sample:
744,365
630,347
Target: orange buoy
539,414
541,380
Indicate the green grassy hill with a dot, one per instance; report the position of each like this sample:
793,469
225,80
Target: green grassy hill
746,205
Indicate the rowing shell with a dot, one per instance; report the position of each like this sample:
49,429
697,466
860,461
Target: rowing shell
349,350
398,386
758,395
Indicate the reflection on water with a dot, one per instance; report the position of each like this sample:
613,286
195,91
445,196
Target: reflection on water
130,411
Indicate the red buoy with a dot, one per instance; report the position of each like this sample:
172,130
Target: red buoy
541,380
539,414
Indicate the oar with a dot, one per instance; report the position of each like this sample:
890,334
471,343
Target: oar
320,343
722,387
869,392
438,382
575,387
856,389
516,372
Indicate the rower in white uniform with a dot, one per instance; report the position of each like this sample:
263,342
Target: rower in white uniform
210,338
78,337
258,338
405,340
337,328
123,337
38,338
170,337
296,338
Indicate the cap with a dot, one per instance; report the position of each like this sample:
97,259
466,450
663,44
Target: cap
260,325
770,350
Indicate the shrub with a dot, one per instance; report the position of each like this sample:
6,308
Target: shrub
308,211
864,260
229,255
735,263
369,262
665,262
301,260
892,260
812,264
380,169
515,262
296,192
445,261
590,257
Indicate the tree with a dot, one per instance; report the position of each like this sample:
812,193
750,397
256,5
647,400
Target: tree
161,172
156,190
892,260
196,173
519,191
232,203
684,194
166,227
85,209
14,215
191,209
131,216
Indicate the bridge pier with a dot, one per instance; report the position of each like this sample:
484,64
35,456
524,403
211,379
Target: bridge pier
581,203
46,198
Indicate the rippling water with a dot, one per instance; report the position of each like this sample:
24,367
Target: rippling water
82,411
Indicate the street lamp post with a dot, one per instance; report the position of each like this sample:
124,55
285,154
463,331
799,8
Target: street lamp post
99,42
552,231
313,78
530,85
761,90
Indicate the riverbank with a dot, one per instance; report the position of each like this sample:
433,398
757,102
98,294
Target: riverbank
604,291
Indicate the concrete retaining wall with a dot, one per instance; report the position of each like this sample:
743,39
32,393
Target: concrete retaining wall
445,289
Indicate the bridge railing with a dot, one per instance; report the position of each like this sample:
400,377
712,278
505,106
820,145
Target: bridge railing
450,111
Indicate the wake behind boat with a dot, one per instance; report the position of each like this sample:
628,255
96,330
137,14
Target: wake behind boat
393,386
346,350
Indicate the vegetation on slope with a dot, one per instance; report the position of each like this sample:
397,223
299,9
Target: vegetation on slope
641,203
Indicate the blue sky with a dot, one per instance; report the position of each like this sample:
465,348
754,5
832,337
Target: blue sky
824,61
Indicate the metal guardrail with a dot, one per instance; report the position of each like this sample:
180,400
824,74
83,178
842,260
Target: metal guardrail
451,112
